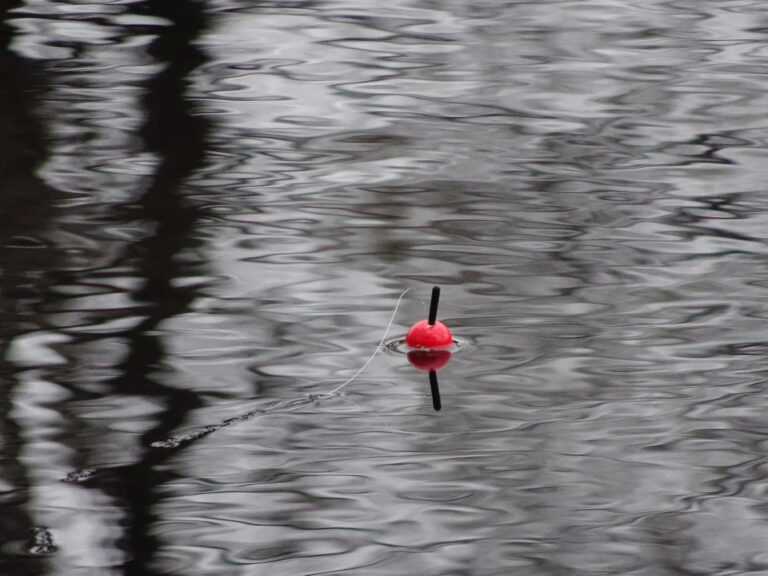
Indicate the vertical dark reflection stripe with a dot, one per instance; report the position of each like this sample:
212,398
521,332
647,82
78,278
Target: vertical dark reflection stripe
434,388
177,135
26,213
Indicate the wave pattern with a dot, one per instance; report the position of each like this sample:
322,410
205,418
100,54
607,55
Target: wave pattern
212,208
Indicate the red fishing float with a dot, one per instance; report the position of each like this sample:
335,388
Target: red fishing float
430,333
429,340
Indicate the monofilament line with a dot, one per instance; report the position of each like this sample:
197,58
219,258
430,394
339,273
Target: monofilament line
376,351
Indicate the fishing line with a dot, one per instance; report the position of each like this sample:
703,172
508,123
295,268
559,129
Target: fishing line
280,405
376,351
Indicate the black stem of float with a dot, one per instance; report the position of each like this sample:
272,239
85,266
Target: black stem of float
436,404
433,305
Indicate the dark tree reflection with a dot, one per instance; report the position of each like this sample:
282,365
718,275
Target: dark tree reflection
177,136
26,212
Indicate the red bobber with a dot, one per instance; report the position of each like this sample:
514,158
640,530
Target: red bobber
430,338
426,335
430,333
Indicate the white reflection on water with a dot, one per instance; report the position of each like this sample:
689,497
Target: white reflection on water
221,205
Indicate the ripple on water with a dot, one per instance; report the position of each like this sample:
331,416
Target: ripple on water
398,346
208,213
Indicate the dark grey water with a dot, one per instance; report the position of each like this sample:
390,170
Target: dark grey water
209,209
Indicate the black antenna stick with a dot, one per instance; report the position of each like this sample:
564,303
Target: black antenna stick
433,305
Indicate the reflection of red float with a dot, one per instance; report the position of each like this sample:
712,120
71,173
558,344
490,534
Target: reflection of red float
429,360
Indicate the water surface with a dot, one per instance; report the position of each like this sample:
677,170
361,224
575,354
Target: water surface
208,211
